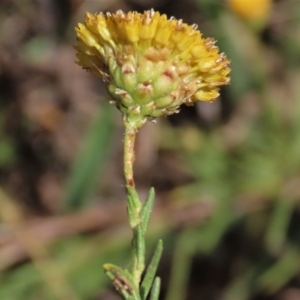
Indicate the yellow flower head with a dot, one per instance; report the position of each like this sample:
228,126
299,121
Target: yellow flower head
251,10
151,64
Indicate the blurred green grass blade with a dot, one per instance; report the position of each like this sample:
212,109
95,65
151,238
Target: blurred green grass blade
84,260
242,74
240,287
7,145
90,160
294,148
207,238
281,272
277,230
181,265
196,239
7,152
19,283
225,30
211,8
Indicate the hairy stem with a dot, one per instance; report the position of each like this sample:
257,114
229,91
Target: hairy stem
134,204
128,282
129,139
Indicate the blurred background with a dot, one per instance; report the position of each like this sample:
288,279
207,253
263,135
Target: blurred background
227,174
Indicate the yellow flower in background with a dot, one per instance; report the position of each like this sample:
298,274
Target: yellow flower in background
252,10
151,64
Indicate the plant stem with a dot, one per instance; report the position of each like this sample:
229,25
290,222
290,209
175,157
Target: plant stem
134,205
129,139
128,283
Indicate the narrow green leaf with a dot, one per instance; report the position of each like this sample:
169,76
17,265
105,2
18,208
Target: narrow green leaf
133,195
146,210
155,289
121,289
133,207
132,213
91,159
139,247
122,281
151,270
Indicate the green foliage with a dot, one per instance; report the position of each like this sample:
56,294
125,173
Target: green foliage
128,283
90,160
7,149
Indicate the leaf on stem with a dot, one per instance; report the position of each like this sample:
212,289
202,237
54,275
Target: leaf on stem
140,245
150,273
122,281
155,289
133,206
146,210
